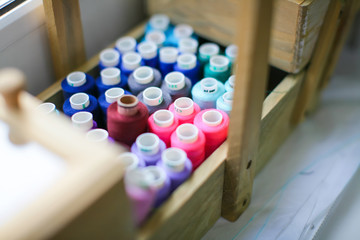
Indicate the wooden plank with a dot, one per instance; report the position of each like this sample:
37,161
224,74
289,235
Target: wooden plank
251,77
65,34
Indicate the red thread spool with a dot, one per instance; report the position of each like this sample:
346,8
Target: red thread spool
163,124
127,119
184,110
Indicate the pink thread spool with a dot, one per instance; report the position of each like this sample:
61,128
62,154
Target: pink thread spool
163,124
214,124
184,110
192,140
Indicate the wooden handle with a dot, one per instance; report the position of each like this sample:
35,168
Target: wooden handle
12,82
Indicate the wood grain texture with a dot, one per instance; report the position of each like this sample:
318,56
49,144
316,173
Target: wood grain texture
251,78
65,34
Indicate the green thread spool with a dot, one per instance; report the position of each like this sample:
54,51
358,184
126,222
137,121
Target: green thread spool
218,68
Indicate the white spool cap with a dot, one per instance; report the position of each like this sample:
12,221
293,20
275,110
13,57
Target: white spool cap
174,159
219,63
153,96
209,85
113,94
183,31
168,54
138,178
79,101
46,108
208,50
187,133
231,52
131,60
228,97
82,120
147,50
76,79
232,81
143,75
148,143
159,22
126,44
110,76
184,106
109,57
97,135
163,118
188,45
212,118
175,80
129,160
186,61
158,176
157,37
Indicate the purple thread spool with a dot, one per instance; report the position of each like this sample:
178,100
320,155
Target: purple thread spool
189,66
142,78
177,166
177,85
160,183
167,59
84,121
149,54
131,161
149,148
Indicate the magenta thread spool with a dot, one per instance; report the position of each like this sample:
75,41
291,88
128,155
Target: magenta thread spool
214,124
188,45
167,59
160,183
130,161
189,66
149,53
163,124
177,85
156,36
154,99
125,44
142,78
99,135
177,166
184,110
83,121
148,147
109,58
192,140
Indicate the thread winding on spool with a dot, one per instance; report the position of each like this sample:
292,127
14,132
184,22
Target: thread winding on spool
206,92
142,78
188,65
77,82
149,54
83,121
148,147
177,85
230,83
109,78
125,44
163,124
207,50
109,58
167,59
218,68
160,182
225,102
154,99
81,102
184,110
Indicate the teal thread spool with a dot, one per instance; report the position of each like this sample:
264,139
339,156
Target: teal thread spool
218,68
224,102
206,51
231,53
206,92
230,83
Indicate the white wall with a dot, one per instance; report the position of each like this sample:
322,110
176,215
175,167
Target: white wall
24,43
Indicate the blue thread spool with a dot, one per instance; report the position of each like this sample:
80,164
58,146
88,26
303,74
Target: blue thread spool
224,102
180,31
111,95
124,45
109,58
83,121
159,22
78,82
142,78
109,78
177,85
206,51
231,53
81,102
130,61
157,37
154,99
230,83
206,92
47,108
218,68
188,65
188,45
167,59
149,54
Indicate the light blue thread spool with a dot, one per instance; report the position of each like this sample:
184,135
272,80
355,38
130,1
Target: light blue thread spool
206,92
188,45
231,53
206,51
159,22
224,102
230,83
180,31
157,37
218,68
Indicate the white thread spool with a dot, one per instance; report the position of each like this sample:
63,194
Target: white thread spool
113,94
148,143
153,96
82,120
47,108
159,22
79,101
76,79
131,60
186,61
126,44
174,159
187,133
163,118
184,106
175,80
109,57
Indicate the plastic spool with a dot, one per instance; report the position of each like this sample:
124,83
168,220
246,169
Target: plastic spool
163,124
159,22
163,118
79,101
109,57
175,80
212,118
230,83
157,37
131,60
208,50
174,159
113,94
47,108
206,92
187,133
76,79
148,143
97,135
110,76
127,105
186,61
129,160
160,182
231,52
168,54
183,31
153,96
143,75
147,50
225,102
188,45
184,106
219,63
209,85
83,120
126,44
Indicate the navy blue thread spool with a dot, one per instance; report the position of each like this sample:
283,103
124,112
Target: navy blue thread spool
109,58
154,99
83,121
167,59
111,95
157,37
230,83
177,85
109,78
231,53
180,31
130,61
77,82
207,50
149,54
218,68
125,44
81,102
189,66
206,92
225,102
142,78
188,45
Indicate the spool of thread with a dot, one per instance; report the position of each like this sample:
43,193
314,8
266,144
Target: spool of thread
163,124
159,22
177,85
142,78
109,58
141,195
231,53
177,166
77,82
154,99
188,45
47,108
130,62
214,124
218,68
99,135
148,147
81,102
158,37
184,110
109,78
224,103
130,161
230,83
167,59
111,95
207,50
127,119
83,121
180,31
189,66
149,54
160,182
206,92
125,45
192,140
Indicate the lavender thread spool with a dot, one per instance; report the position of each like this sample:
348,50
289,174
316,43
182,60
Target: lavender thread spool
142,78
160,182
154,99
148,147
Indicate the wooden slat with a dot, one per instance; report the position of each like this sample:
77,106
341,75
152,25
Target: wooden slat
251,77
65,35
